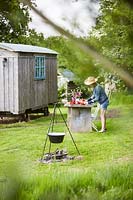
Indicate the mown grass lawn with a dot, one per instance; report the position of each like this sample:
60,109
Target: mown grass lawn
104,172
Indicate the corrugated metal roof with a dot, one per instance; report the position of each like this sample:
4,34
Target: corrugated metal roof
26,48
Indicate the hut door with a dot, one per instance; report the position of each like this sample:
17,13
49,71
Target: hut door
6,84
9,84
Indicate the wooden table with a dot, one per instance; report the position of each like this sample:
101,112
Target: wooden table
79,117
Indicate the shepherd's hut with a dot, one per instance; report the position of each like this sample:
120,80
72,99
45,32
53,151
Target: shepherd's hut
28,78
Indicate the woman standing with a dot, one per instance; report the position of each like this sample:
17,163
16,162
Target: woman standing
99,96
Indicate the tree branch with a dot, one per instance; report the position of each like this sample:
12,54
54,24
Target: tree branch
107,64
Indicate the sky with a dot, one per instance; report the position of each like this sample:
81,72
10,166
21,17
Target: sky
72,15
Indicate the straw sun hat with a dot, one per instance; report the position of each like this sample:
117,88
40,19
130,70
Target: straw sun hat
90,80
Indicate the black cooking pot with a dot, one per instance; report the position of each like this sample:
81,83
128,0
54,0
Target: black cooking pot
55,137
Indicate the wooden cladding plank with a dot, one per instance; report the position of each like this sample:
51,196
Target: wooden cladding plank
1,86
26,97
52,79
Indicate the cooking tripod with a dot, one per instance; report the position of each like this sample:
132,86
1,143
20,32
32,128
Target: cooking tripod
50,129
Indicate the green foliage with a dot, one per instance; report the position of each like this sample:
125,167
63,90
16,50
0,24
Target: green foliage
32,38
122,98
61,93
72,58
112,35
14,24
14,19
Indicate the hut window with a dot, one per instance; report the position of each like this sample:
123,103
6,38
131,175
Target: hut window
39,73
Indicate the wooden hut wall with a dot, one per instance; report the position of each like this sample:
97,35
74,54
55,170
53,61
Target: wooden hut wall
9,84
19,90
32,93
51,66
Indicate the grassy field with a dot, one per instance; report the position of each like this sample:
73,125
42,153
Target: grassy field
104,171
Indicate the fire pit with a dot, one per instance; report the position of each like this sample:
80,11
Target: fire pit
57,156
55,137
